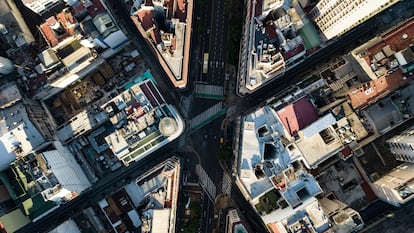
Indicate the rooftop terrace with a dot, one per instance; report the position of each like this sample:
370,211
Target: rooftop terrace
168,36
277,37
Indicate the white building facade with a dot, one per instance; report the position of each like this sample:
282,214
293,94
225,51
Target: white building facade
335,17
397,186
402,146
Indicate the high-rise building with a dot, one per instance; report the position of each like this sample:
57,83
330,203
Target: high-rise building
396,187
402,145
335,17
44,7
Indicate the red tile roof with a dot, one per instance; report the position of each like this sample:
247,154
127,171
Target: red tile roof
66,21
181,12
395,38
270,30
96,8
92,10
291,53
258,8
48,33
375,89
145,16
298,115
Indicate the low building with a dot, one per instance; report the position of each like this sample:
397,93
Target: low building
45,179
23,126
386,59
281,143
67,226
80,38
345,219
310,218
273,178
13,221
148,203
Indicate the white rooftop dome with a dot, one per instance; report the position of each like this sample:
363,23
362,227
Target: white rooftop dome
167,126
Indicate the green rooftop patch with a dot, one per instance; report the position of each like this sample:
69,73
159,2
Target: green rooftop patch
36,206
269,202
146,140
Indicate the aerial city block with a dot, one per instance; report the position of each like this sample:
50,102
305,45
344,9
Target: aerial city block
206,116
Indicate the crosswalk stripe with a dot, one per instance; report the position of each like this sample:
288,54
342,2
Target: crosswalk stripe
226,185
206,183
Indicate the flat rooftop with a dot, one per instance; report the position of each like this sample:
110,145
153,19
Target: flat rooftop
374,90
319,140
171,45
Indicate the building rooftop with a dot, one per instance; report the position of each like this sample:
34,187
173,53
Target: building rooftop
157,191
171,42
380,58
346,219
67,226
319,141
273,177
142,121
234,222
66,170
77,50
9,94
84,8
56,29
14,220
298,115
278,35
374,90
252,155
382,115
310,218
18,134
399,180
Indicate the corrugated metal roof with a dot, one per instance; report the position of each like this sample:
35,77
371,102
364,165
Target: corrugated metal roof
67,171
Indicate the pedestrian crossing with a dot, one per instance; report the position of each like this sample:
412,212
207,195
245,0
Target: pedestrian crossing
206,183
209,91
226,185
207,116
